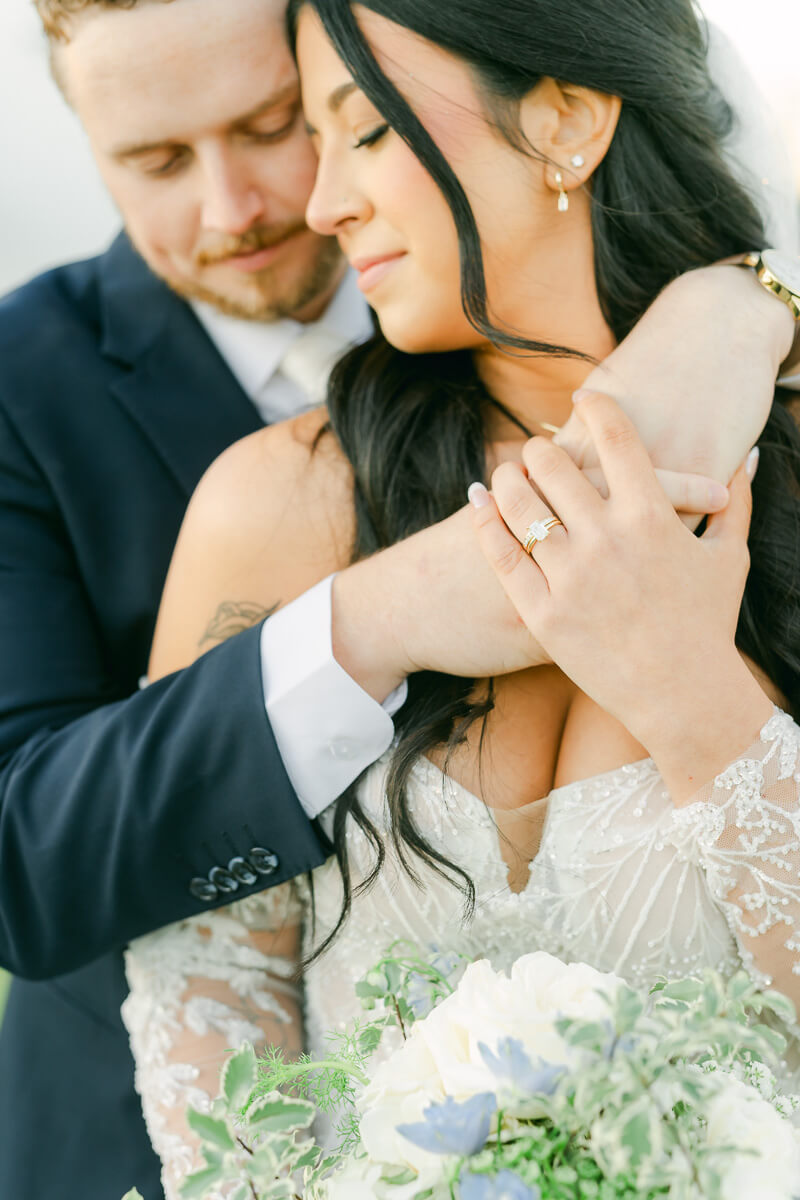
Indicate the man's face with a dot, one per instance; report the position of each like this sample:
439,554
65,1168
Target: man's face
193,113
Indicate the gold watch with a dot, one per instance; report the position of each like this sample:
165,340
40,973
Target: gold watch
779,273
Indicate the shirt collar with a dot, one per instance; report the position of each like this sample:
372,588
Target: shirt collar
254,350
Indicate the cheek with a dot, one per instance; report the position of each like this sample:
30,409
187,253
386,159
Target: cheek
287,173
162,218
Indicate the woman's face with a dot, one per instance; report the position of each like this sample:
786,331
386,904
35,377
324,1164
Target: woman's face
392,221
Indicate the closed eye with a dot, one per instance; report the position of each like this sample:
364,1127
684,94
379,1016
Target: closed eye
371,138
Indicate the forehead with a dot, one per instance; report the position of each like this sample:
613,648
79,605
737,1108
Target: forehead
438,85
174,70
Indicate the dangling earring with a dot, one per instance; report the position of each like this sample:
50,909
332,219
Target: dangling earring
563,198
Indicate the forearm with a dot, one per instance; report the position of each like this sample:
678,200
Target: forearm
105,823
694,729
697,374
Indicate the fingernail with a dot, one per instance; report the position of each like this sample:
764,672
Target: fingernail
478,495
751,466
718,496
581,394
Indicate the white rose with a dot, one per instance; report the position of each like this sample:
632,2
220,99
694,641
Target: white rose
738,1116
442,1055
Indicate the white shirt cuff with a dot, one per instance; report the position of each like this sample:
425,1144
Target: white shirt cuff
327,728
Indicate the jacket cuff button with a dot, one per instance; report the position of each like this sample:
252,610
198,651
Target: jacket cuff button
242,870
266,862
203,890
223,880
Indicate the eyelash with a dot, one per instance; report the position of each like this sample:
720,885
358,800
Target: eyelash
370,139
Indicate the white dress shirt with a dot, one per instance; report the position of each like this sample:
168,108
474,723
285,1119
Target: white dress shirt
327,729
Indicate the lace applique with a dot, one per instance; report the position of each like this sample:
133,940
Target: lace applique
622,881
199,988
744,831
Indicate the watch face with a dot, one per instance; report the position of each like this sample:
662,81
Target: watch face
785,268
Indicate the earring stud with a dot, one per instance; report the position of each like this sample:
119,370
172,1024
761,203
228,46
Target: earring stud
563,198
578,160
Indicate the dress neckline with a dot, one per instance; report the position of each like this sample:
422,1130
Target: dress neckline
424,768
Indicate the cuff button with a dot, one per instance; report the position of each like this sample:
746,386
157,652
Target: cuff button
203,889
242,870
223,880
266,862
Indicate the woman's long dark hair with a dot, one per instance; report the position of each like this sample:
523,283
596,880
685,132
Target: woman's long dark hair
664,201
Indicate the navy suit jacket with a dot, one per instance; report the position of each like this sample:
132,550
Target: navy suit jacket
113,401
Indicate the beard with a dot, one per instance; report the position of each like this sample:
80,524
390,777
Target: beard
267,295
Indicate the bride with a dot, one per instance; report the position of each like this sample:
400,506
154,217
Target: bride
514,184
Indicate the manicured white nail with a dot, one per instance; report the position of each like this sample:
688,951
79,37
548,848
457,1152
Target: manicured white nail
751,466
478,495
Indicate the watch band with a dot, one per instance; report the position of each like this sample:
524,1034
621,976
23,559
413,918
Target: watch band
769,280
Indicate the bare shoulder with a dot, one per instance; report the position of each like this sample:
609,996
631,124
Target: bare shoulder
272,516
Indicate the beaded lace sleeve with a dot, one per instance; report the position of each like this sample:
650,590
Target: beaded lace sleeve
744,831
198,989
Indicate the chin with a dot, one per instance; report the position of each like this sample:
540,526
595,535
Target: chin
416,337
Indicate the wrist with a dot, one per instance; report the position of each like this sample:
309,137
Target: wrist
695,730
364,632
760,316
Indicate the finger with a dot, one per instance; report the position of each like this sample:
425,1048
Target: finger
520,505
620,451
695,494
560,482
520,577
733,523
574,438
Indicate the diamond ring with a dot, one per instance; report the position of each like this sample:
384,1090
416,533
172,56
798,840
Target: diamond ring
538,531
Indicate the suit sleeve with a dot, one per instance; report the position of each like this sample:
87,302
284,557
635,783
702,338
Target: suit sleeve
119,815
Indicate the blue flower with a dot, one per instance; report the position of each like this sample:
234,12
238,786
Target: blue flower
506,1185
512,1062
453,1128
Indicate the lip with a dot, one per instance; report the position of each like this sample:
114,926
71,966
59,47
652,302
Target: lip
372,270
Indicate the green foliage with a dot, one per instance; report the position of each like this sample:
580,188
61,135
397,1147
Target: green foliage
626,1125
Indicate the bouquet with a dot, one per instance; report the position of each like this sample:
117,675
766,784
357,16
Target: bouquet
554,1082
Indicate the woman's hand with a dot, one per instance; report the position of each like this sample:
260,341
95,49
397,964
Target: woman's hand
635,609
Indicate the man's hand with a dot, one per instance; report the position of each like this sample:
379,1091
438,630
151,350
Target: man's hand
697,374
430,603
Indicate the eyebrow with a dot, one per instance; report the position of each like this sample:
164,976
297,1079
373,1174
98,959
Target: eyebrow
335,101
134,149
340,94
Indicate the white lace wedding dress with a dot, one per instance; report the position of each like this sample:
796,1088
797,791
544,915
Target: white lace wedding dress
622,880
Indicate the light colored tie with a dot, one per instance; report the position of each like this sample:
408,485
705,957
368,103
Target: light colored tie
309,360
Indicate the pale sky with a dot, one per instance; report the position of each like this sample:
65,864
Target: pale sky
53,207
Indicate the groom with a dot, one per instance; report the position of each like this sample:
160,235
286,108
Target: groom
121,379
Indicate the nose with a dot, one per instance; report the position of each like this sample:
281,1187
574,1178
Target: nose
232,201
336,203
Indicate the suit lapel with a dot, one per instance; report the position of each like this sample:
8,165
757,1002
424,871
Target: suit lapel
175,385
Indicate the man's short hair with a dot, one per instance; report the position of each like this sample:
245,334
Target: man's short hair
55,14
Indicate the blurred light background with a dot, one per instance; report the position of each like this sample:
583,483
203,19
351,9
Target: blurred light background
53,208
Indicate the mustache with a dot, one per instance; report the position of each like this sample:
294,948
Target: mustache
233,245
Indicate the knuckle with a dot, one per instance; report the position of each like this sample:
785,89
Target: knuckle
541,456
508,558
618,433
516,506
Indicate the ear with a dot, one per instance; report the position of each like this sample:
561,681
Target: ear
565,124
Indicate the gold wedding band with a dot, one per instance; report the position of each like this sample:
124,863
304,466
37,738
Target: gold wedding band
538,531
